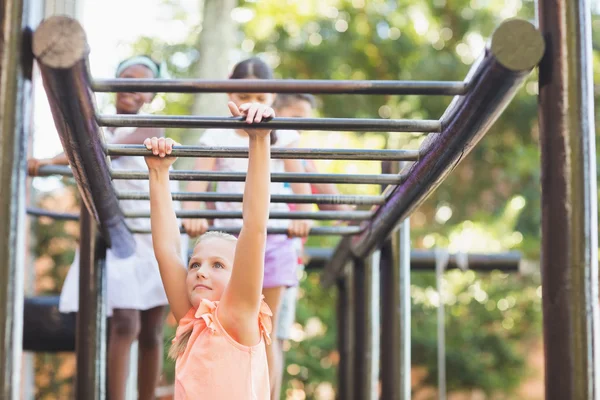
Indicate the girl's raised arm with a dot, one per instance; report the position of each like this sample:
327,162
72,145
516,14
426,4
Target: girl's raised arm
165,229
242,296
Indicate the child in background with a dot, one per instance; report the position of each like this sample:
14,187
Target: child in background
298,105
223,322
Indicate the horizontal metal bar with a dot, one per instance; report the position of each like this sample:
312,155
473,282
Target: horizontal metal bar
304,124
516,48
54,170
315,231
58,216
424,260
285,153
212,176
317,216
275,198
448,88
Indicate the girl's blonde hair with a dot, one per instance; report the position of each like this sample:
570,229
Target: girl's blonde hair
215,234
179,345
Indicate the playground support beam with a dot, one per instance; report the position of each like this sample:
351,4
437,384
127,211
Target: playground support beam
13,137
395,311
515,49
346,335
61,49
366,327
569,261
90,345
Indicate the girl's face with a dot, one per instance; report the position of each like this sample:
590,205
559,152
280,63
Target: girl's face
131,103
209,269
262,98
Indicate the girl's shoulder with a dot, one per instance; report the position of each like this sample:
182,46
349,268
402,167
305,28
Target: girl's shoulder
206,317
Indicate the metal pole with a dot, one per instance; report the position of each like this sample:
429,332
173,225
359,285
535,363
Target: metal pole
366,327
211,176
345,329
13,153
285,153
569,260
315,231
91,318
395,309
516,48
314,215
280,86
302,124
275,198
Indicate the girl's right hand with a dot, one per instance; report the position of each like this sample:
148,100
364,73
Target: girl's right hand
254,113
160,147
299,228
195,227
34,164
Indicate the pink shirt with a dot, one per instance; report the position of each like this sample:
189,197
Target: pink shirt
214,365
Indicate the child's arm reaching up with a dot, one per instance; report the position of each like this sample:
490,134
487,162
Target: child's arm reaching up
241,300
165,229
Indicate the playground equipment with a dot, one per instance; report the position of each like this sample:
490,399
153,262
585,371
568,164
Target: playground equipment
368,250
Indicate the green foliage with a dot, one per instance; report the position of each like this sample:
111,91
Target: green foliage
54,249
311,357
488,320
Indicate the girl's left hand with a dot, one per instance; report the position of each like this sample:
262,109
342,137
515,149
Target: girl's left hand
254,113
161,147
299,227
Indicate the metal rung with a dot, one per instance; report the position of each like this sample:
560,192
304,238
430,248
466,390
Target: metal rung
315,231
285,153
305,124
317,216
280,86
50,170
275,198
58,216
212,176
